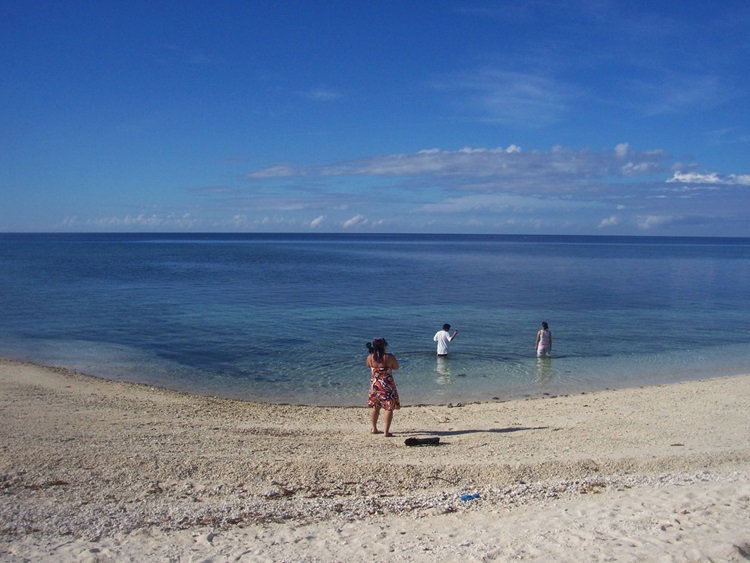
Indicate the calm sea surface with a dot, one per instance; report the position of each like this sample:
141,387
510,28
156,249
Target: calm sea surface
285,318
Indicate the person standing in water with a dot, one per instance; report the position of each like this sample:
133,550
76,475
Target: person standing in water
543,344
383,393
443,338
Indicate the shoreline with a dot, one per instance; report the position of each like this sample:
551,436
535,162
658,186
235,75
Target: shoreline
512,396
99,468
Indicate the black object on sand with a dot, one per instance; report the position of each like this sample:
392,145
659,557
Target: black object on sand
422,441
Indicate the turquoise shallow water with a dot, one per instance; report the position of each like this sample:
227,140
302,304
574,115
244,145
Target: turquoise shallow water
285,318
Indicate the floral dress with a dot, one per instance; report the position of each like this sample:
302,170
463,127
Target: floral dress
383,391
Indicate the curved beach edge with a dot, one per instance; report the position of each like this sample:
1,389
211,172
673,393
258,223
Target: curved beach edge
97,469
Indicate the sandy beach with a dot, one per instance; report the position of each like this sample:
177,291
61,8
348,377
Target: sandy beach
95,470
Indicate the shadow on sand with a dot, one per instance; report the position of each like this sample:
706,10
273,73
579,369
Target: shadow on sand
445,433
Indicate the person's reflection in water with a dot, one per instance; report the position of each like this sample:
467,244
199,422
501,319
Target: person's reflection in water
543,370
443,370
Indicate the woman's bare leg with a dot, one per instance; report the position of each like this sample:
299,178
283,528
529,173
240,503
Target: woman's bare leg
374,414
387,418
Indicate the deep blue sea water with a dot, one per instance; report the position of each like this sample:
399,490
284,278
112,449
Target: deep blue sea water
285,318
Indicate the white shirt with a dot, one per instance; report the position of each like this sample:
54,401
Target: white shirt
442,337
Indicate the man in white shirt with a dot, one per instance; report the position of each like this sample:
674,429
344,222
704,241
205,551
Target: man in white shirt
443,338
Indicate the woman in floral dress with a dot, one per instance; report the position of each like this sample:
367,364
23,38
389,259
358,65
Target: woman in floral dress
383,393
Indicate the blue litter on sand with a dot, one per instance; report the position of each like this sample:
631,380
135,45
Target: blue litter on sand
469,497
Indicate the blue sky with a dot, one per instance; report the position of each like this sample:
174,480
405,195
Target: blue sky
533,117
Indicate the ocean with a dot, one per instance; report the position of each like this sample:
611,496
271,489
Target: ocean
285,317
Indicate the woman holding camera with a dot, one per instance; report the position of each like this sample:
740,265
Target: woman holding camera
383,393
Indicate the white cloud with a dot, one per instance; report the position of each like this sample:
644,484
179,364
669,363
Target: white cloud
622,150
130,220
710,178
639,168
139,221
648,222
610,221
278,171
512,98
355,221
505,163
317,222
560,189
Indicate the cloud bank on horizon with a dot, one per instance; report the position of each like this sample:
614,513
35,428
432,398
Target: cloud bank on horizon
473,117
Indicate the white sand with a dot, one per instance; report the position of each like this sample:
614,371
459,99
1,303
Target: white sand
92,470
